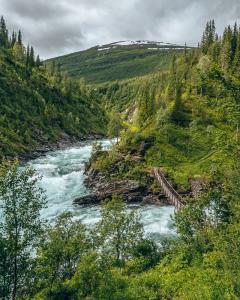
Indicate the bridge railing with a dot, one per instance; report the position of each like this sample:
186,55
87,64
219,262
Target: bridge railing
168,189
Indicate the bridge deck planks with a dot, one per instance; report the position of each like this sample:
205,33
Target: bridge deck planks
168,189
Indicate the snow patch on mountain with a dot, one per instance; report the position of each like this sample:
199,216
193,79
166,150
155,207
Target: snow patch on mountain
150,44
140,42
102,49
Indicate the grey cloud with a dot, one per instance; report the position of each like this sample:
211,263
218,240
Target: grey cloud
56,27
36,10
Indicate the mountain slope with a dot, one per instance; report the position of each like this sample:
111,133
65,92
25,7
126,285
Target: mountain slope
38,108
117,61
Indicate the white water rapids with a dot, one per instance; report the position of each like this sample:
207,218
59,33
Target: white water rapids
63,177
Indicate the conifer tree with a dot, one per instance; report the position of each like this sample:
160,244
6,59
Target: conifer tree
212,32
208,37
28,56
38,61
19,40
145,105
234,40
3,33
177,115
31,57
18,52
53,68
173,78
236,61
13,39
226,49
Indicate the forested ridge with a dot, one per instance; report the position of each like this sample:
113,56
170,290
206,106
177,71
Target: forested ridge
40,107
116,61
186,122
187,119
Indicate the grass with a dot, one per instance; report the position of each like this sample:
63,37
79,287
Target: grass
115,64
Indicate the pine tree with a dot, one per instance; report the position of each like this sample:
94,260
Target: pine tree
13,39
145,105
142,110
212,34
215,51
236,61
3,33
173,78
226,49
18,52
31,57
28,56
38,61
208,37
19,40
177,115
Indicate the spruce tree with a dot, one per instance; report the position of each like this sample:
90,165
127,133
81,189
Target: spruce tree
3,33
31,57
177,115
19,40
236,61
145,105
13,39
28,56
173,78
38,61
226,49
18,52
208,37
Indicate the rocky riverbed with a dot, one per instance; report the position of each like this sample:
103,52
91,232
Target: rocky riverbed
63,180
129,190
64,142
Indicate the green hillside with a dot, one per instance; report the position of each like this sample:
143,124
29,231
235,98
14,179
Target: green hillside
117,61
177,110
38,108
187,124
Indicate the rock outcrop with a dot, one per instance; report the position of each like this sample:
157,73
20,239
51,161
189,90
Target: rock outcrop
129,190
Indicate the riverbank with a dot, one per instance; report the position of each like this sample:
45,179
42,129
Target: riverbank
131,191
63,179
64,142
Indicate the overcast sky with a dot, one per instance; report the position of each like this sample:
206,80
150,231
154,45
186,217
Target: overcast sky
56,27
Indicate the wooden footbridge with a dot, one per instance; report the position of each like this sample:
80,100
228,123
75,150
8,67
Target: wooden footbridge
168,189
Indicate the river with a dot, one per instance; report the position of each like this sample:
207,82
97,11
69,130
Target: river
63,176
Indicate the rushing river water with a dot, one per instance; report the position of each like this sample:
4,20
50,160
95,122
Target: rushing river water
63,176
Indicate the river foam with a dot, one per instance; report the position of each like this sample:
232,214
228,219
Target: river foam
63,177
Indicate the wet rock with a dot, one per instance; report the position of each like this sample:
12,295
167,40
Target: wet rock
197,186
154,199
129,190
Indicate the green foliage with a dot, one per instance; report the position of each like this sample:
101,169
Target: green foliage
195,133
146,105
118,231
115,125
185,121
20,228
61,251
119,63
38,107
209,36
